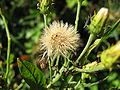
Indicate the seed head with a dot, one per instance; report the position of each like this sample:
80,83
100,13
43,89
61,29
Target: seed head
59,39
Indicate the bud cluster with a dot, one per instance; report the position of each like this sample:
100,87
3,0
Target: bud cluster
45,6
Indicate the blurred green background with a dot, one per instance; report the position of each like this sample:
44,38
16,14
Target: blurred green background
25,23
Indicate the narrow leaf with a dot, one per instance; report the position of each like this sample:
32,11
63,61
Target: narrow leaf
114,26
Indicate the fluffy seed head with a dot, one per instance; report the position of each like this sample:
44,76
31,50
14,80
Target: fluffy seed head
59,39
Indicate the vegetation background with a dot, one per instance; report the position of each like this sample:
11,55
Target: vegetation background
25,24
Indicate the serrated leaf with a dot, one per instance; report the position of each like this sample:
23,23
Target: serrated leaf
32,75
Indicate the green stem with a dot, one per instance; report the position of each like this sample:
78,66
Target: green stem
56,65
94,83
45,20
8,48
53,60
70,80
57,61
50,70
78,14
98,67
91,37
58,75
77,84
21,85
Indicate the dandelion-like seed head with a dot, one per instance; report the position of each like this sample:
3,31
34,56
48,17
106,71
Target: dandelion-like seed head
59,39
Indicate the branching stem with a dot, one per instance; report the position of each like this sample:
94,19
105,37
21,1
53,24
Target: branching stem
91,37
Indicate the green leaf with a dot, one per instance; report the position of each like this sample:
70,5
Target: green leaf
71,3
11,58
32,75
114,26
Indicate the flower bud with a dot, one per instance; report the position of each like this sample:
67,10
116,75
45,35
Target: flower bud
45,6
98,21
111,55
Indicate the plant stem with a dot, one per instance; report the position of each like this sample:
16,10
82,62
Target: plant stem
58,75
53,60
98,67
21,85
77,84
56,65
45,20
70,80
8,47
78,14
50,70
91,37
57,61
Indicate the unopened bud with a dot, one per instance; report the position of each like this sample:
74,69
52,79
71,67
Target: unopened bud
111,55
45,6
98,21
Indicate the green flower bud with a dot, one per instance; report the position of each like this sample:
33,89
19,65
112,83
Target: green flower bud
45,6
111,55
98,21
